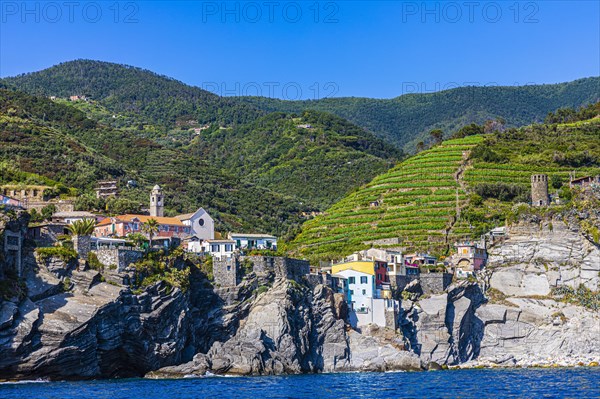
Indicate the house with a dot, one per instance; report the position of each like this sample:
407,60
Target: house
106,189
201,225
585,182
123,225
218,248
367,288
470,257
71,217
254,241
419,259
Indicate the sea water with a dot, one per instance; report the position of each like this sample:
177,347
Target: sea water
518,383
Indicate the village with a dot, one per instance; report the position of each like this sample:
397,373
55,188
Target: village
371,280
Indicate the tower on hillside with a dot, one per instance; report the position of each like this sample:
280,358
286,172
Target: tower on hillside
157,202
539,190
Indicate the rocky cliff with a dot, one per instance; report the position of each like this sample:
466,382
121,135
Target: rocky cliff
534,305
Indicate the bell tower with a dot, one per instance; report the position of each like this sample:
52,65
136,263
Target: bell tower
157,202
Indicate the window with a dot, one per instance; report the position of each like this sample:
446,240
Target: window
379,276
363,280
364,292
228,247
228,268
351,280
214,248
201,222
351,292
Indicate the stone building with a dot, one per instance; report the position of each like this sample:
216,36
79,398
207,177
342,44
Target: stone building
227,270
106,189
157,202
539,190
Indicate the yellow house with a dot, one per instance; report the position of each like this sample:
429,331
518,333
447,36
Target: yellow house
366,267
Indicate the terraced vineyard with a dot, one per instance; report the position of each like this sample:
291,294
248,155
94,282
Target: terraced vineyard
426,202
415,202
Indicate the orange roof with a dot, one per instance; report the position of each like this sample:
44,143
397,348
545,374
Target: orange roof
143,219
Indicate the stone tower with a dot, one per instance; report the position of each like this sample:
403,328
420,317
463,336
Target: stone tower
539,190
157,202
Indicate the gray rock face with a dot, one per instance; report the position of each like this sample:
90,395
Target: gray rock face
295,330
463,327
558,254
98,329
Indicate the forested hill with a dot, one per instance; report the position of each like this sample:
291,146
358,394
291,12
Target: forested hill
149,98
408,119
58,142
120,88
314,156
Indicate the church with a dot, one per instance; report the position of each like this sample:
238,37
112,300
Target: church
181,227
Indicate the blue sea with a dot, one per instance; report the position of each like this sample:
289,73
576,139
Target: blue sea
522,383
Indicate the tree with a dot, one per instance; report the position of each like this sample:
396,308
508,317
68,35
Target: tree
83,227
48,211
137,238
151,228
437,135
420,146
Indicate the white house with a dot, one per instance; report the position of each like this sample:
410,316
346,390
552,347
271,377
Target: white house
201,224
254,241
73,216
218,248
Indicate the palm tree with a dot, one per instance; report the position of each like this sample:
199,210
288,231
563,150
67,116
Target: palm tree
151,227
81,230
83,227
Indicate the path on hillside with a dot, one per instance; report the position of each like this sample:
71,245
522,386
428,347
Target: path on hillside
458,177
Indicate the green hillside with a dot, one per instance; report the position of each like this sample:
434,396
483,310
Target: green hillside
164,108
407,119
58,142
458,189
315,157
136,92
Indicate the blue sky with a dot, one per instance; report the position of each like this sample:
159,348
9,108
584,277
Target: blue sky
291,49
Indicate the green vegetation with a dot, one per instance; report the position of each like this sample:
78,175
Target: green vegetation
151,228
158,266
57,141
94,263
581,296
414,202
65,254
485,176
83,227
315,157
408,119
137,93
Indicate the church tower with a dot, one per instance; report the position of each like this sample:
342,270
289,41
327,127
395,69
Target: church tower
157,202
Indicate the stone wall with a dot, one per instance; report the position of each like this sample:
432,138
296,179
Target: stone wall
293,269
432,283
225,271
121,258
314,279
283,267
82,245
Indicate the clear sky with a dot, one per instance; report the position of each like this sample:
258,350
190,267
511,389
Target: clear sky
291,49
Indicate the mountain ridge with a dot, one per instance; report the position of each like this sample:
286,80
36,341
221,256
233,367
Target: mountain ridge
403,120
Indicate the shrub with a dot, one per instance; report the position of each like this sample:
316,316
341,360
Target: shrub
94,263
65,254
